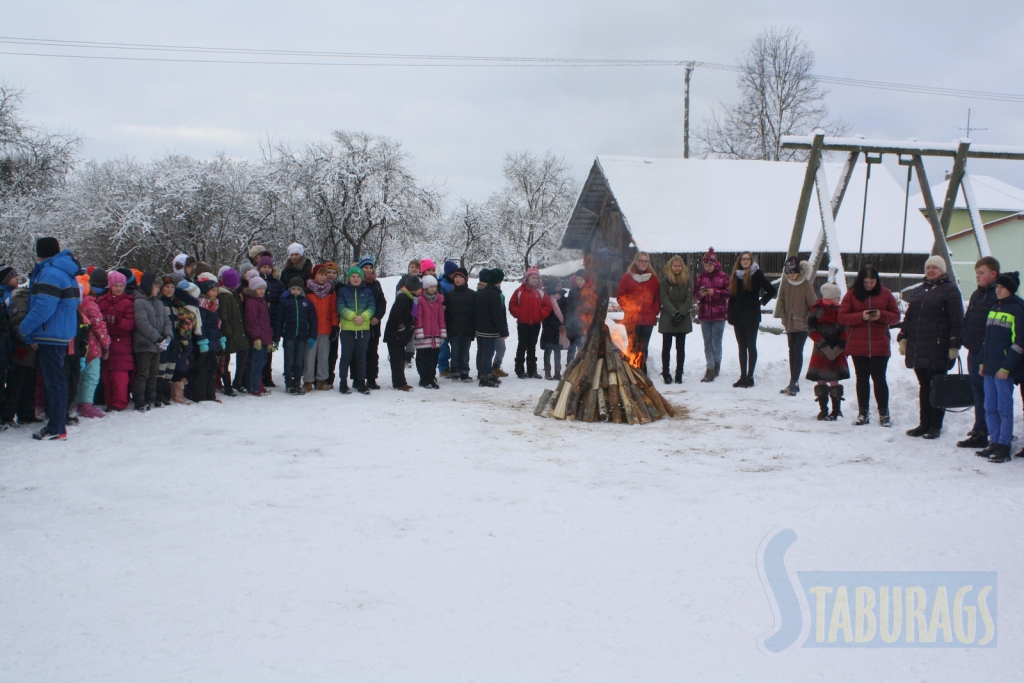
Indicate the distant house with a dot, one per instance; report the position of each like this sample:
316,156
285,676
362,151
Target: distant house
1002,212
685,206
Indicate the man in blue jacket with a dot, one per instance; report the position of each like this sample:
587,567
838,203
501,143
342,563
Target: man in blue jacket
50,325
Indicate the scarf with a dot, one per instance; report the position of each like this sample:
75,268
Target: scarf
320,290
556,310
641,277
431,297
208,304
371,278
742,273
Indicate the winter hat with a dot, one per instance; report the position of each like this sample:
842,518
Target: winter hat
169,279
296,282
229,278
206,277
482,275
459,271
427,264
532,270
936,261
429,281
129,277
450,267
495,276
829,291
47,247
205,268
710,256
255,250
6,273
250,274
83,283
367,260
354,270
178,278
413,283
220,271
296,248
206,285
98,279
792,266
265,260
257,282
1009,280
138,275
148,279
189,288
115,276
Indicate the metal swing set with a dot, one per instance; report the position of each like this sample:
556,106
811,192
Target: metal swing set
910,154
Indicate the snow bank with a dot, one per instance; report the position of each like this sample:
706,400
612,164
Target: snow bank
452,536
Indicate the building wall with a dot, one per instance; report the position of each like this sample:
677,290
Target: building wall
1007,244
961,219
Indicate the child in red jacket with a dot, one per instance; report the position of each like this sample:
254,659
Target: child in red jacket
118,309
529,305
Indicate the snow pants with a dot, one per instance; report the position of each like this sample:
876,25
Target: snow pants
88,380
115,387
526,351
353,353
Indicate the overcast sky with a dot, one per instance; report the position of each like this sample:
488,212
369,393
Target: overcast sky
458,123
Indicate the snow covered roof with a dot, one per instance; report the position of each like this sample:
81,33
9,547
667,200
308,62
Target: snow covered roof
991,194
687,205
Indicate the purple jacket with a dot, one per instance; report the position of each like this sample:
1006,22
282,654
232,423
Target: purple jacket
257,319
714,305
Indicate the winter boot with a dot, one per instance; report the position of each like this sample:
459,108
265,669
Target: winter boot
884,420
863,418
919,430
362,388
741,383
986,451
836,394
446,373
226,381
521,374
372,384
821,395
89,410
324,386
665,375
679,375
178,393
299,389
307,387
344,387
140,403
718,369
496,371
975,439
1000,453
709,375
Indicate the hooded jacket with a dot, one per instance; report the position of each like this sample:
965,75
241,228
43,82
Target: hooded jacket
119,314
354,302
1002,347
152,324
231,324
458,311
829,337
639,298
52,317
795,300
257,319
932,323
401,324
713,305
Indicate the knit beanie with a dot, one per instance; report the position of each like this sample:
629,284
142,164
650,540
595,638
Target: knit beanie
257,282
206,285
129,277
532,270
710,256
189,288
47,247
314,271
429,281
255,250
460,271
265,260
250,274
482,275
495,276
829,291
1009,280
354,270
83,283
229,278
296,282
936,261
413,283
792,266
367,260
427,264
148,279
114,277
206,277
296,248
450,267
6,273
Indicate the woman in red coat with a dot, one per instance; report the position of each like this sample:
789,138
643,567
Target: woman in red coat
118,309
868,311
529,305
639,297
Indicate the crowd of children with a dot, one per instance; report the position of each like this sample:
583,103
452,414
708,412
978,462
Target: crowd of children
77,338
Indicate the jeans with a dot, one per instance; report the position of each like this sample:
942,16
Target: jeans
51,364
666,353
526,351
295,359
556,351
499,351
871,369
444,356
254,368
426,365
746,339
353,353
89,379
396,354
978,389
999,409
797,340
931,417
485,355
713,333
372,356
317,365
459,364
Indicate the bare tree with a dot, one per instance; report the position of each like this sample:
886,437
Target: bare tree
779,96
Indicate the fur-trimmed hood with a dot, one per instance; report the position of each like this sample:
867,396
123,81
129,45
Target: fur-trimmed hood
806,273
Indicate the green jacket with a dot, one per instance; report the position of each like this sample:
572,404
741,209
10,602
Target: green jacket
353,302
232,327
675,299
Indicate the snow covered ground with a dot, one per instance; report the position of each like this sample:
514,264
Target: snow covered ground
453,536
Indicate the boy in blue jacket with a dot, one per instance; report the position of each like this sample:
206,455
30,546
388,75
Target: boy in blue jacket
295,322
1001,365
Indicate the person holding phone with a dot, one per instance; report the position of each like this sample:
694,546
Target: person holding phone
868,310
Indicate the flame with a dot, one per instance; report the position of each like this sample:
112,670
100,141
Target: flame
630,311
588,302
624,342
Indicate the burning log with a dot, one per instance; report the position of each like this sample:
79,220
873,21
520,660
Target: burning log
601,384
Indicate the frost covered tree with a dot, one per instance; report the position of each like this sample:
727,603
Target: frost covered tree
533,209
779,95
33,165
469,234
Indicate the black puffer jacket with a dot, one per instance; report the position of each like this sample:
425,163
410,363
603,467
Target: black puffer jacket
489,313
933,323
976,317
458,311
745,305
399,328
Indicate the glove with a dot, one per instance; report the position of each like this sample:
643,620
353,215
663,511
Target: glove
273,347
903,347
257,345
81,364
310,344
223,342
954,354
204,345
164,343
106,354
678,318
831,352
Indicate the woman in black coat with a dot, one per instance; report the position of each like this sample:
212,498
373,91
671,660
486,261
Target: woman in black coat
749,290
930,338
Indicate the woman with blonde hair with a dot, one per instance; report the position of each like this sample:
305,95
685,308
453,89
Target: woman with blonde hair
675,322
749,290
639,297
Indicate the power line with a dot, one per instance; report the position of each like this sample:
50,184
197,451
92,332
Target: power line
375,59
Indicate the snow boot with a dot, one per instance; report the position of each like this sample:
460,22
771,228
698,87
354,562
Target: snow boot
372,384
741,383
975,439
89,410
884,420
836,394
679,375
932,433
521,374
324,386
665,375
1000,453
344,387
496,371
986,451
446,373
140,404
178,393
362,388
919,430
307,387
821,396
863,418
709,375
718,369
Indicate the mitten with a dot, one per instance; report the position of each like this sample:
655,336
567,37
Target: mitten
257,345
903,347
81,364
223,342
310,344
204,345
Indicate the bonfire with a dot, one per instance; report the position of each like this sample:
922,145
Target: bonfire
602,384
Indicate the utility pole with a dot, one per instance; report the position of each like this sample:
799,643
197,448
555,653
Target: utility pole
686,113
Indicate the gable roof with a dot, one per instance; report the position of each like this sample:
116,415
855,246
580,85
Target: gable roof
991,194
687,205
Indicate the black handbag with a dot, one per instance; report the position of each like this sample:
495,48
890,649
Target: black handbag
952,391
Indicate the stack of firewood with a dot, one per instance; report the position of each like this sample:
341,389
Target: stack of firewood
600,384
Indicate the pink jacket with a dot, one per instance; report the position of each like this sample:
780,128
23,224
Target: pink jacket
119,314
99,340
430,327
712,306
